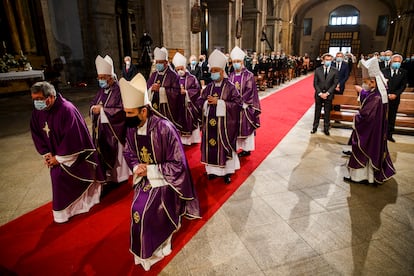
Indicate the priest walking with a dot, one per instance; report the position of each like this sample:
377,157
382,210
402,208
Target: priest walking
61,136
245,83
370,161
220,104
164,88
190,91
108,123
163,187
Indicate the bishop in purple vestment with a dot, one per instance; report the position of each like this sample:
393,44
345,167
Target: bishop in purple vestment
370,160
108,123
164,89
163,187
190,91
245,83
61,136
220,104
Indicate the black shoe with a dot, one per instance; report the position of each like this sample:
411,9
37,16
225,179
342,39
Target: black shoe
211,176
391,139
347,152
326,132
313,131
227,179
244,153
349,180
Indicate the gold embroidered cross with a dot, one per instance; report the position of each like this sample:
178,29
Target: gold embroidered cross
46,129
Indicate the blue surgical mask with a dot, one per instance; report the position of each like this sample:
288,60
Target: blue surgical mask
387,58
215,76
237,66
338,59
328,63
40,104
159,67
382,58
103,83
396,65
193,62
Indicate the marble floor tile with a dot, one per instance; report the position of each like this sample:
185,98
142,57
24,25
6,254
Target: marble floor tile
275,244
293,204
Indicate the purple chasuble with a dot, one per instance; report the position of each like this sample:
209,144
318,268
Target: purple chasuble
219,134
107,135
249,116
170,81
191,118
369,138
62,131
156,212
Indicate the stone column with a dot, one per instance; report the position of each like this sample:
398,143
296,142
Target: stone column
21,19
16,46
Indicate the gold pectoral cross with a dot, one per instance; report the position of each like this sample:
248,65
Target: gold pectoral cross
46,129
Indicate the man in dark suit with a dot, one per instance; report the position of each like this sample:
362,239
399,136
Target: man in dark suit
129,70
343,72
324,82
397,81
194,68
385,62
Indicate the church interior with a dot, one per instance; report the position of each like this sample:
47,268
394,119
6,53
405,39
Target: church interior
292,214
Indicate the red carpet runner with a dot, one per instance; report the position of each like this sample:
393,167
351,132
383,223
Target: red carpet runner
97,243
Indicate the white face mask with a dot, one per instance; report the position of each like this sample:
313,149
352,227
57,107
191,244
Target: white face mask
366,87
128,63
181,73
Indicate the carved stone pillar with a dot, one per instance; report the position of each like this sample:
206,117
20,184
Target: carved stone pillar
12,25
21,20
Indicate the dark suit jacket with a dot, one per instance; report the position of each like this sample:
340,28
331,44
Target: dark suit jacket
196,72
132,71
396,84
323,85
343,74
382,64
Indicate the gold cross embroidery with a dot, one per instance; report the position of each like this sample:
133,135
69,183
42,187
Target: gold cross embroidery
46,129
145,156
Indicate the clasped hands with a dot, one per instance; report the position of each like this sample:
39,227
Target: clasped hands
96,109
324,95
212,99
155,87
50,160
141,170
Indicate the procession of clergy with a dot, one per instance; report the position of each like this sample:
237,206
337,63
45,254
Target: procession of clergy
139,127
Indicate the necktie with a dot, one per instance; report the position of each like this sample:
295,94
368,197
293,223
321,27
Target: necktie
394,72
326,72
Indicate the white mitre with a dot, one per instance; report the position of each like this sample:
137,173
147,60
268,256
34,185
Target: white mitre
371,69
217,59
134,92
237,53
179,60
160,53
104,66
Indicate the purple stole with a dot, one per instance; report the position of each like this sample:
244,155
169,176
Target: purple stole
159,79
215,153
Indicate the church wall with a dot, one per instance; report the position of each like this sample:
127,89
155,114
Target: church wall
369,12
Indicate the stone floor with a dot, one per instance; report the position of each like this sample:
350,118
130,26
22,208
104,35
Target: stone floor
293,216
